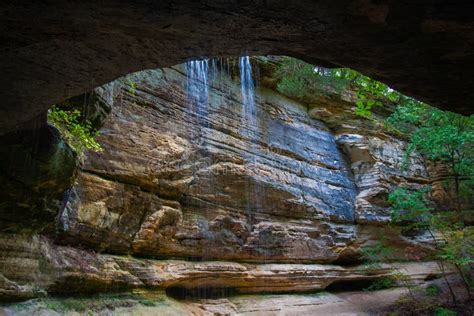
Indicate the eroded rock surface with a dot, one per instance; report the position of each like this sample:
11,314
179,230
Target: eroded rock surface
182,185
184,198
33,265
186,185
376,157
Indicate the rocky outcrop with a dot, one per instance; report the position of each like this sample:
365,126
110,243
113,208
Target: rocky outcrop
201,198
377,167
376,158
323,303
36,171
33,265
185,185
181,185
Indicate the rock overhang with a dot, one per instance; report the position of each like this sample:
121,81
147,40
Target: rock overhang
53,51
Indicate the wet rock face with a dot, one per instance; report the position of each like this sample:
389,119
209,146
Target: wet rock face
210,183
183,185
36,171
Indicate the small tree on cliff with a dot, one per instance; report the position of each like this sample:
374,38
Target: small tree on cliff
444,138
410,209
441,137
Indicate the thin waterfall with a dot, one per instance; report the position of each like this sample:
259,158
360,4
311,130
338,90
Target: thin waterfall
248,99
197,93
251,131
200,74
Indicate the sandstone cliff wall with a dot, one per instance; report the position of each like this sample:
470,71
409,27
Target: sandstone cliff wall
273,204
172,182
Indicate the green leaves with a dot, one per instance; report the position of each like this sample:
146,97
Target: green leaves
447,139
381,284
437,135
79,135
408,114
432,290
132,87
293,87
458,247
410,208
441,311
369,95
301,80
380,251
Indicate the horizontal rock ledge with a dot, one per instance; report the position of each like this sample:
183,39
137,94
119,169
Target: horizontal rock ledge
38,266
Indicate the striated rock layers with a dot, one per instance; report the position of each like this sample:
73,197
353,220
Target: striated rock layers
181,182
35,265
203,195
194,179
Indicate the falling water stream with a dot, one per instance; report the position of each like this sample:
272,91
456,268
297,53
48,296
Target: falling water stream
248,99
197,92
201,74
250,129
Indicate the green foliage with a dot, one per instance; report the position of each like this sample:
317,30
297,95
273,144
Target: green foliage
293,87
380,251
442,311
410,208
442,137
448,139
437,135
133,87
67,304
381,284
458,247
147,302
301,80
408,113
369,94
100,303
432,290
79,135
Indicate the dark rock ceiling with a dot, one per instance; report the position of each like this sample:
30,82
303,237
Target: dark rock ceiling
52,50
